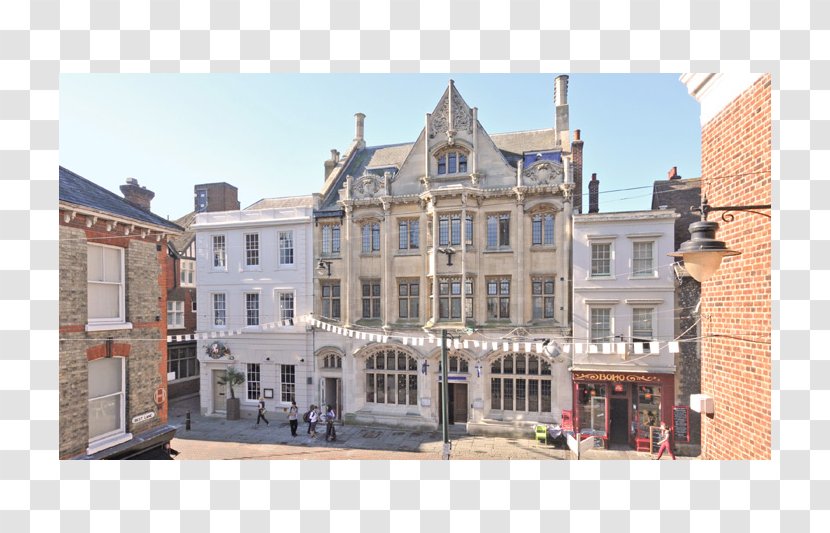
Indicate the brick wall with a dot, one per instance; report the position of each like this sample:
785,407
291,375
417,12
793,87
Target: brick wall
146,358
736,301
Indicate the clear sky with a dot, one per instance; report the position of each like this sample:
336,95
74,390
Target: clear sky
269,134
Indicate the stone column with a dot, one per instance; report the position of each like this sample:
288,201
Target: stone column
348,245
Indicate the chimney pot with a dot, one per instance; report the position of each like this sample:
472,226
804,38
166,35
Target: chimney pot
136,194
673,174
577,135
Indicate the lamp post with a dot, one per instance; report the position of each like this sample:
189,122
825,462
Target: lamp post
703,253
445,429
324,268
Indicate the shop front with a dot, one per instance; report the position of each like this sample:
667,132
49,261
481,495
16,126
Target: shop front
618,408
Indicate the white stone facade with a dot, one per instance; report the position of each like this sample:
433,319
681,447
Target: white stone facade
254,268
478,223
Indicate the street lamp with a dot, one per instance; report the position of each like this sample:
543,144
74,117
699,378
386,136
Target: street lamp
449,251
324,268
703,253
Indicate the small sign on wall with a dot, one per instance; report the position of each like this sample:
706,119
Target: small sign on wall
143,417
268,393
425,402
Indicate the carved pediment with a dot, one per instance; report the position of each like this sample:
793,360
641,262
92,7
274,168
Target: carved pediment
543,173
444,122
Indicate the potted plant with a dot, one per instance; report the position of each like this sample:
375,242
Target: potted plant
232,377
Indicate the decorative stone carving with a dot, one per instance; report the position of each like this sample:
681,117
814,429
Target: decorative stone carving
367,186
442,124
543,173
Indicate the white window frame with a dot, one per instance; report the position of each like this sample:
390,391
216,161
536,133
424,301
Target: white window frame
610,274
247,310
253,388
213,310
283,250
645,339
278,300
119,435
251,250
175,308
288,389
652,272
607,338
219,258
187,273
102,323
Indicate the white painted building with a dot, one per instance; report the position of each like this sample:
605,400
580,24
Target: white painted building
623,319
254,270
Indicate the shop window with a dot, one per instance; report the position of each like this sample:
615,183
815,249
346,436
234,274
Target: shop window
520,382
591,409
182,361
287,383
391,378
648,408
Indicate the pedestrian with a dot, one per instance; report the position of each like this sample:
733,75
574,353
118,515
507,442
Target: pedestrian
261,411
330,416
307,418
313,417
665,442
292,418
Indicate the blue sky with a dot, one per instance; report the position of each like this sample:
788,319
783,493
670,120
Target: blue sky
269,134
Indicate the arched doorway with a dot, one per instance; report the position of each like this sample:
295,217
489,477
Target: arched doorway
330,365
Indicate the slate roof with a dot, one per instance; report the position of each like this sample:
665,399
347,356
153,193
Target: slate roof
77,190
288,202
680,194
181,242
512,145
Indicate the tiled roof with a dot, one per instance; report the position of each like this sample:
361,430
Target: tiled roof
512,145
680,194
289,202
77,190
181,242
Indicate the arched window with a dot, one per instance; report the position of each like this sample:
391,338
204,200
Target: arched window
452,162
391,378
520,382
332,361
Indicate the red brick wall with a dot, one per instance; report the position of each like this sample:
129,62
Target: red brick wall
736,325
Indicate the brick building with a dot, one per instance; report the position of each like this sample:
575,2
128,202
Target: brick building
681,194
182,360
113,306
736,300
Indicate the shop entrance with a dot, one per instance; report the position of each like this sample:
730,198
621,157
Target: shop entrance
332,394
457,407
619,421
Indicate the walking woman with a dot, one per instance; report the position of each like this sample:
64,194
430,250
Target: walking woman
330,416
261,411
665,442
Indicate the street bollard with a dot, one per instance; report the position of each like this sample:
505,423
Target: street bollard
187,421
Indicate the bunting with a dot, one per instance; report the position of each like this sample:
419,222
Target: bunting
619,348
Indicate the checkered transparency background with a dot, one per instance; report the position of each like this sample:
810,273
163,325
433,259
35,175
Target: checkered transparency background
39,39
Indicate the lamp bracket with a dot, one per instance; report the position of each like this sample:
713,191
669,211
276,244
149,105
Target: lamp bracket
727,215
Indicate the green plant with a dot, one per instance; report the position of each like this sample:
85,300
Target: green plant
232,377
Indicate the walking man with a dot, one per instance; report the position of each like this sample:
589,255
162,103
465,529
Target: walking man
292,418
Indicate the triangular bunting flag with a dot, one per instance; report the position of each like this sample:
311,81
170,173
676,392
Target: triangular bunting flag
578,348
638,348
674,347
606,347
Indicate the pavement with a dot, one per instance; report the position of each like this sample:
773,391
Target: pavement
214,437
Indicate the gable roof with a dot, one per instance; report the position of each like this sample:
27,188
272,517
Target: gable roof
288,202
77,190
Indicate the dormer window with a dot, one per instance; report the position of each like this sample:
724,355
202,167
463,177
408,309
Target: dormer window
452,162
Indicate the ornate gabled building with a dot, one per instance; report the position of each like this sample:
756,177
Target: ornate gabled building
460,230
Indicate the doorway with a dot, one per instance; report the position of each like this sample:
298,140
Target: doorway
219,392
333,394
619,421
457,405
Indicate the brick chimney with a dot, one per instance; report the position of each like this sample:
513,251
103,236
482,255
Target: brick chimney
329,164
576,155
673,174
137,195
593,194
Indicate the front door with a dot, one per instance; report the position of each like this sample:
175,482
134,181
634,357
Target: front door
458,402
619,421
219,391
332,394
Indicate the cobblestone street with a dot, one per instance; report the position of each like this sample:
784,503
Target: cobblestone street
214,437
